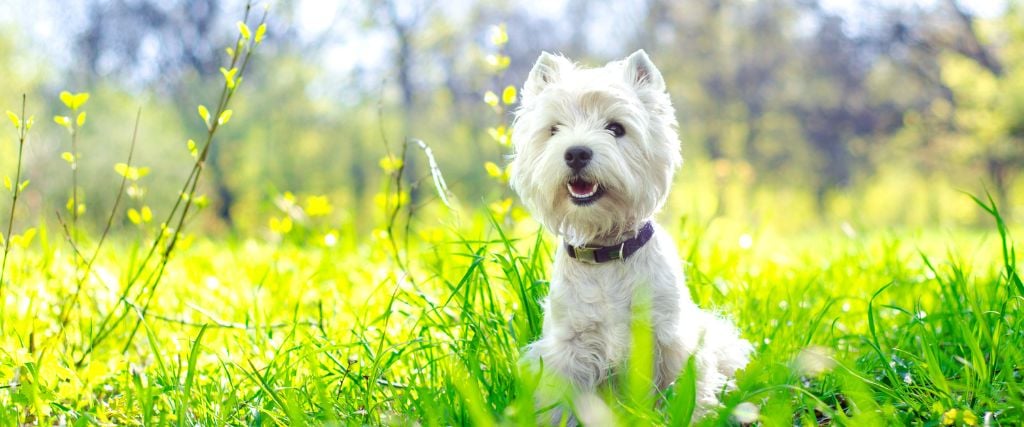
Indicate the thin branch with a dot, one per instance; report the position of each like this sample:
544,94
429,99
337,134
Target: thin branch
66,312
16,187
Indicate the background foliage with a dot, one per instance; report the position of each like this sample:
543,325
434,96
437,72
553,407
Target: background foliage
791,112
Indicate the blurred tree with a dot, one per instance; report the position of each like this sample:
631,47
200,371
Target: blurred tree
799,96
161,45
404,20
988,94
150,42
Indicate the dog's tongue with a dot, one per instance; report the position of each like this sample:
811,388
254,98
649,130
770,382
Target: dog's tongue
581,187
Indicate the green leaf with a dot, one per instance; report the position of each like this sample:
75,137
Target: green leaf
192,149
244,30
493,169
14,119
261,32
230,51
67,98
24,184
190,374
134,217
499,35
229,76
131,172
508,96
205,114
224,117
79,100
64,121
498,62
490,98
25,238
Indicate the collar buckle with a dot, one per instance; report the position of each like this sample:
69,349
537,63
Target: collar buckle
585,254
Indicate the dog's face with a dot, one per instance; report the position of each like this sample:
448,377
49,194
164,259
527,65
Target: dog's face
595,149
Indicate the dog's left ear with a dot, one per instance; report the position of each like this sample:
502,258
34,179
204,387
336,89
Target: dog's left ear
642,73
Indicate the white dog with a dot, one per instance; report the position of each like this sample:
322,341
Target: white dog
595,152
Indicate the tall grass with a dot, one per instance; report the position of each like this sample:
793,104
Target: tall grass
851,331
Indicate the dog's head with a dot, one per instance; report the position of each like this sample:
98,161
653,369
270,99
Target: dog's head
595,149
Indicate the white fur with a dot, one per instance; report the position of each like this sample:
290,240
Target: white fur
588,314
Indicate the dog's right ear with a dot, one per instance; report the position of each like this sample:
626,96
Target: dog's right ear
547,70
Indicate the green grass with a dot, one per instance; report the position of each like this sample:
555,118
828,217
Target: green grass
416,322
874,329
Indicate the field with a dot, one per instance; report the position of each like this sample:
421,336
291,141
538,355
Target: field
874,293
851,328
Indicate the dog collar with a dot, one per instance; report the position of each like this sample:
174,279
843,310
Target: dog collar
601,254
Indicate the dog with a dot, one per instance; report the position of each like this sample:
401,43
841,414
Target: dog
595,151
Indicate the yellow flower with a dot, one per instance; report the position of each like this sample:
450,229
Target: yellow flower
969,418
502,207
949,417
318,206
281,226
390,164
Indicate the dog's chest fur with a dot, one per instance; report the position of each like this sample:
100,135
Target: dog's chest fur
594,304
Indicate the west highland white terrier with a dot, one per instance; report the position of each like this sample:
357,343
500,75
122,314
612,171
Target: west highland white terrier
595,153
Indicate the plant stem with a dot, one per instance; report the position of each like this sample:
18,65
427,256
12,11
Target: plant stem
14,199
66,312
187,194
74,186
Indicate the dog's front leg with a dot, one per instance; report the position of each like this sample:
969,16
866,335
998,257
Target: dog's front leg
568,368
670,357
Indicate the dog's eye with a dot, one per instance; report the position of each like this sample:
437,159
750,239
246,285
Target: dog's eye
616,129
554,130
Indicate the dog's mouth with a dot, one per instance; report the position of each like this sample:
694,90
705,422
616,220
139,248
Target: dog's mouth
583,192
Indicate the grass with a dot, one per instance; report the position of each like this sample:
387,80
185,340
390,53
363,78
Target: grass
867,330
422,323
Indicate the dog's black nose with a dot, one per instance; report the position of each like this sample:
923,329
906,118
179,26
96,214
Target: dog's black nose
578,157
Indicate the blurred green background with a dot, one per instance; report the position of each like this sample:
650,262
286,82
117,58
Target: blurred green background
794,114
